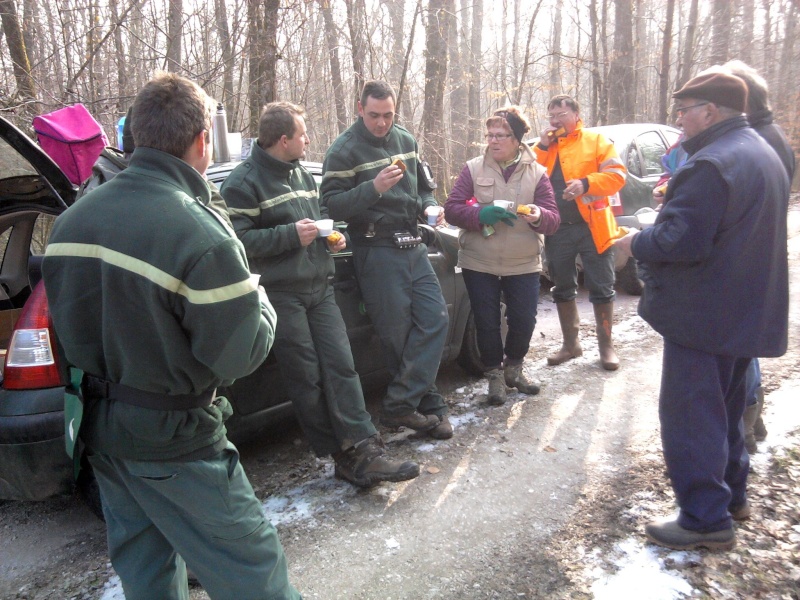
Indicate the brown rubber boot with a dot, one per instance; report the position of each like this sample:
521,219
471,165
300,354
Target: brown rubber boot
515,378
365,464
497,387
604,316
570,328
749,418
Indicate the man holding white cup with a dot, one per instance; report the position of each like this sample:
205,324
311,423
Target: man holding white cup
274,207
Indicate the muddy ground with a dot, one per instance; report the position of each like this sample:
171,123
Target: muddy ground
534,499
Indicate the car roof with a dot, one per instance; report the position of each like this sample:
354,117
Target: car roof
217,172
621,134
29,178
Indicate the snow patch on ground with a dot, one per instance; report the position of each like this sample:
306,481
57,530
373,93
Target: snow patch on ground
112,590
639,567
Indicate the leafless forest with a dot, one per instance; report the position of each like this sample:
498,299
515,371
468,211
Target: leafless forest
452,61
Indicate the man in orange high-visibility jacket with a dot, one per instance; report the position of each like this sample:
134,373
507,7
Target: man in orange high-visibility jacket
584,169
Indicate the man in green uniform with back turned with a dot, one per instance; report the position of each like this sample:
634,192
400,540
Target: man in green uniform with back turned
151,298
273,203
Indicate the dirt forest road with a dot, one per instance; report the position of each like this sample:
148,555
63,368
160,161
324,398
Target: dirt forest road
528,500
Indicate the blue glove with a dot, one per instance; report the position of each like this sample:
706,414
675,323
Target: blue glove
489,215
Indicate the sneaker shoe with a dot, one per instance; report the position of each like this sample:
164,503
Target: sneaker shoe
444,430
412,420
740,513
366,464
672,535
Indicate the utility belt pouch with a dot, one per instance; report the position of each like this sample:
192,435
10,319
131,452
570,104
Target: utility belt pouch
425,176
406,239
73,416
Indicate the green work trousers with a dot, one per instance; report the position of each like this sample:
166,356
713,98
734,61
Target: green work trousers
405,304
316,363
205,512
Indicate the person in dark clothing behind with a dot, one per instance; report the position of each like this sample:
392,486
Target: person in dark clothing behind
759,115
507,262
715,268
151,298
273,204
381,202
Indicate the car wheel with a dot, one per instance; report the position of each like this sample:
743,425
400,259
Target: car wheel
628,278
469,358
89,491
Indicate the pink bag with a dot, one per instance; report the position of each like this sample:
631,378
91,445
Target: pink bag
72,138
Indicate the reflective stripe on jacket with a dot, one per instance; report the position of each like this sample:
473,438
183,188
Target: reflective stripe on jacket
586,154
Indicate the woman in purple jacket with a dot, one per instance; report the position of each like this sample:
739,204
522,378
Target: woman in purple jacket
504,204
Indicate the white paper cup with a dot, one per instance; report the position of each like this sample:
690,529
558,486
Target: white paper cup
324,227
506,204
433,213
255,279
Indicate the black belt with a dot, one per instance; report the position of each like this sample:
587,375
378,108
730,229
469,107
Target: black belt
97,388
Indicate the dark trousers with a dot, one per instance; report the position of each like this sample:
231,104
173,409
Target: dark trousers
562,250
701,406
316,362
521,296
405,304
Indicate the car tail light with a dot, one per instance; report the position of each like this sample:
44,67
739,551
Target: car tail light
31,360
615,203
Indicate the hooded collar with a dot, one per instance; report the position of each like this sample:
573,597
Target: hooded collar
165,166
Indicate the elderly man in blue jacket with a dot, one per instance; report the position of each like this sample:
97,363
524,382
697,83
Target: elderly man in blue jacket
715,268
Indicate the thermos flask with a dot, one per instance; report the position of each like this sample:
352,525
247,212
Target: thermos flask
220,129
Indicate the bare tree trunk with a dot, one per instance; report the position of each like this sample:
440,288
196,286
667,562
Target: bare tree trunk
620,74
336,68
435,76
523,73
555,57
356,17
597,80
688,46
119,60
262,18
788,82
458,95
504,51
663,76
223,31
26,89
746,19
475,74
174,35
603,114
769,63
720,31
402,96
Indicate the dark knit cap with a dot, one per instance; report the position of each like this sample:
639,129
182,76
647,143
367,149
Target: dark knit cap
128,144
720,88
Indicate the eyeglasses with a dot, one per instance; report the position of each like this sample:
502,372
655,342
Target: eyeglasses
497,136
683,109
558,116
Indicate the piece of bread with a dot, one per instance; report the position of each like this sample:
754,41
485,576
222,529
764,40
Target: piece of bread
523,209
399,163
557,133
334,237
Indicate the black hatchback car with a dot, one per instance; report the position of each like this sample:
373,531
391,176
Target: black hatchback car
33,461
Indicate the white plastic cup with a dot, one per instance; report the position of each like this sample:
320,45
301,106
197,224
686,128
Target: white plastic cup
433,213
255,279
324,227
505,204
